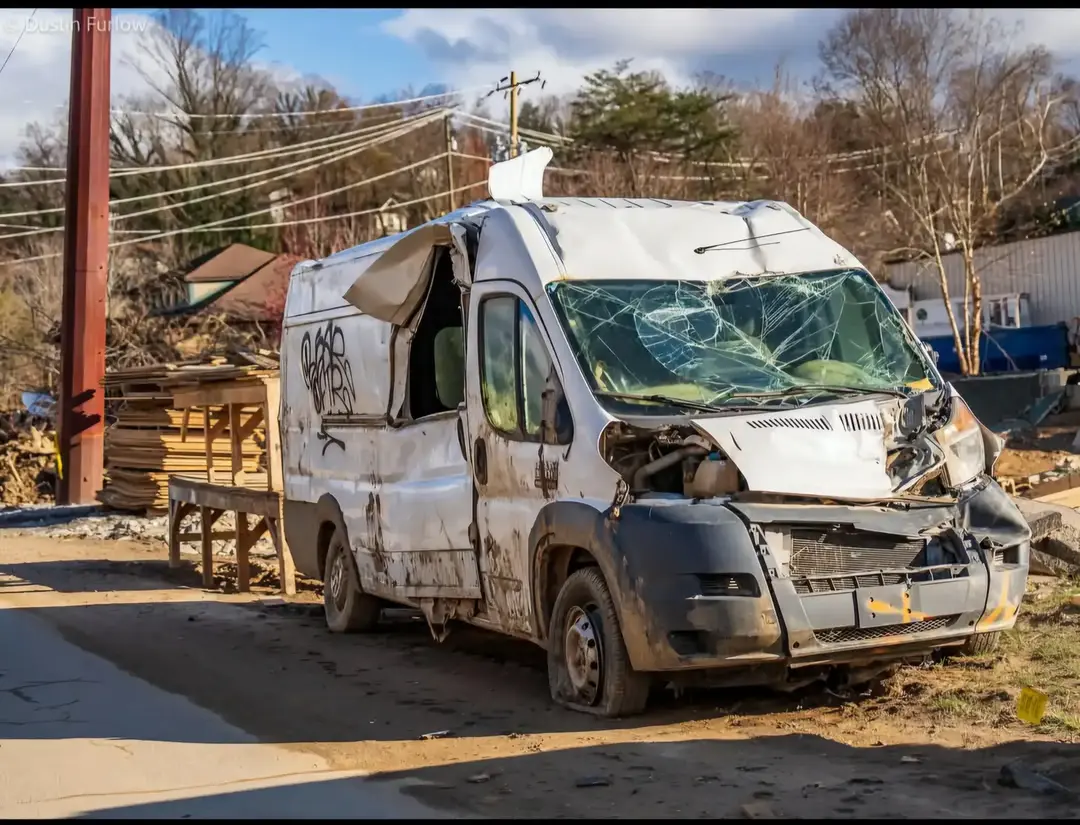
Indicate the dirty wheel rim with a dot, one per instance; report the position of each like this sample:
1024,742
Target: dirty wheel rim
338,583
584,654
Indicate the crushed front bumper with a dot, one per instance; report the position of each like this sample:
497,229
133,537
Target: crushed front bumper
729,599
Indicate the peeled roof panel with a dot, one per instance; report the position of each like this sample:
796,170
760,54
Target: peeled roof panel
233,263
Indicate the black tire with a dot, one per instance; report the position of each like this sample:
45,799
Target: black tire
981,644
617,689
346,607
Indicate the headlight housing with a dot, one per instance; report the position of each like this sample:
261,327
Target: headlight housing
961,439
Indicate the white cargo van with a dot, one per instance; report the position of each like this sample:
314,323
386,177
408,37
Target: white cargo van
664,440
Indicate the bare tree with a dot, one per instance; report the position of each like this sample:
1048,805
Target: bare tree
967,125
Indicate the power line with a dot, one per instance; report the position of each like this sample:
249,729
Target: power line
209,228
310,112
386,135
342,215
262,154
271,209
18,40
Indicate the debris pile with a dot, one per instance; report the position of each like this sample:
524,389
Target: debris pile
1065,475
1055,537
149,440
27,460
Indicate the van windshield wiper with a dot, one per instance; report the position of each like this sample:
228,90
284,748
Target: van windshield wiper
662,399
803,389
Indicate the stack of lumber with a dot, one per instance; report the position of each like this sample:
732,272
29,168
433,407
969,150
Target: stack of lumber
149,440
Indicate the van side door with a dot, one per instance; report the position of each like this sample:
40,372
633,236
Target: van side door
516,453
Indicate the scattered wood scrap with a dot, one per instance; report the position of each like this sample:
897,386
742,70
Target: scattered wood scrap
27,463
149,440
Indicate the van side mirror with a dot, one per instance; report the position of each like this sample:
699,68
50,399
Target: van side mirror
558,427
933,353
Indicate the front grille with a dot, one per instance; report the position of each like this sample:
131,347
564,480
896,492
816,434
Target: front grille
845,635
828,553
835,584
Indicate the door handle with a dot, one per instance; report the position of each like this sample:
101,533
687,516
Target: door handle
461,438
480,461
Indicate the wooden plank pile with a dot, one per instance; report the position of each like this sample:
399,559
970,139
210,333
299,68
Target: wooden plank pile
149,440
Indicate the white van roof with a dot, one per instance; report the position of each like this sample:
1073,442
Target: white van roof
631,238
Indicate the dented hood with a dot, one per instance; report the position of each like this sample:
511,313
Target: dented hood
825,451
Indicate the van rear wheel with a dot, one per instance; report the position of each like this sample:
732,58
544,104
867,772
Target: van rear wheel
346,607
588,666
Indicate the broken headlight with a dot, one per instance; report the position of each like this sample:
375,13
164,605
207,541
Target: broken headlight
961,439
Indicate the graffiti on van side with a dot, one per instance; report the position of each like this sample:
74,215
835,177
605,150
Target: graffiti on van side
324,436
328,377
327,371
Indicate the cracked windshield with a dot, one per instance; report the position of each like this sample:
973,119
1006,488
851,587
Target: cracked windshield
739,340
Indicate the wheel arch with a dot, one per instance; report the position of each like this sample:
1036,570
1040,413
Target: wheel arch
569,535
329,518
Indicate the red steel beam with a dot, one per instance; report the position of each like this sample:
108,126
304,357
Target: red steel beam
86,262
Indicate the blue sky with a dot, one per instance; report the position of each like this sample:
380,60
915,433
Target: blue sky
347,47
370,53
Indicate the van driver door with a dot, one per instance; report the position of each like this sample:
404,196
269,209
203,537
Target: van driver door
515,459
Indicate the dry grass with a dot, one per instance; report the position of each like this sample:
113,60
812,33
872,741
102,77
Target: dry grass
1042,652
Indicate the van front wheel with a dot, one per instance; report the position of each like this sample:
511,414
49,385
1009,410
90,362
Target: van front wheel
347,609
588,666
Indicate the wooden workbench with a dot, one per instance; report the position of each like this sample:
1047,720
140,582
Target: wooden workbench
232,410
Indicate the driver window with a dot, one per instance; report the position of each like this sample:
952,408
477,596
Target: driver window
516,371
536,371
498,380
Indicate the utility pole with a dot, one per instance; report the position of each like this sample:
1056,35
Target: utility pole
513,114
86,262
512,87
450,163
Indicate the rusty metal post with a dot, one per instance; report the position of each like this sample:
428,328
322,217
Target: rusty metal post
86,262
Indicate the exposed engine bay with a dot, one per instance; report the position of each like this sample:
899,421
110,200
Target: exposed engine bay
926,446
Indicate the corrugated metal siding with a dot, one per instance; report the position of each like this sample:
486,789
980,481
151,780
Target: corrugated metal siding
1047,269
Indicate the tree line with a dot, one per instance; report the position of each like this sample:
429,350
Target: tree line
924,131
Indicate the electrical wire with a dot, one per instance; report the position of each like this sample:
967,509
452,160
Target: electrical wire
262,154
117,170
342,215
208,228
310,112
18,40
351,149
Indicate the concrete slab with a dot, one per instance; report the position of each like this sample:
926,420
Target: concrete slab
79,737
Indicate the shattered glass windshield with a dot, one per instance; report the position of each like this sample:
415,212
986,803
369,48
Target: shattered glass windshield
735,340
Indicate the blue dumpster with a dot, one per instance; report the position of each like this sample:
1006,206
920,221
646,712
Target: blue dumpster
1009,349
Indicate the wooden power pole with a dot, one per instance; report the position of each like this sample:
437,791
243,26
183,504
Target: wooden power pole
513,114
512,88
450,163
81,405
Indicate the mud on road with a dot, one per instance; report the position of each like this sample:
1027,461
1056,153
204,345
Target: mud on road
373,702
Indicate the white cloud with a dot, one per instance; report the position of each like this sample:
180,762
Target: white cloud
36,83
476,46
35,86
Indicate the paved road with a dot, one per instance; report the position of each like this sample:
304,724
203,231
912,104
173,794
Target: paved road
79,737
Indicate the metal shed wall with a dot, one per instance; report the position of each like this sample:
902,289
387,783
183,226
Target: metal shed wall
1047,269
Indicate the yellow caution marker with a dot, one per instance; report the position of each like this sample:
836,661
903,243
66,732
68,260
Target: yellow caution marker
1031,706
59,461
921,385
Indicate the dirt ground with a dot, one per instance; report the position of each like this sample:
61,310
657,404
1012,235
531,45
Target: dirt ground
931,742
1041,449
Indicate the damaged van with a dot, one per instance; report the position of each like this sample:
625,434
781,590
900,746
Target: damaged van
667,441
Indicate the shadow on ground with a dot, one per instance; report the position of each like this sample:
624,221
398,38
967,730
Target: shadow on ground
471,719
782,776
